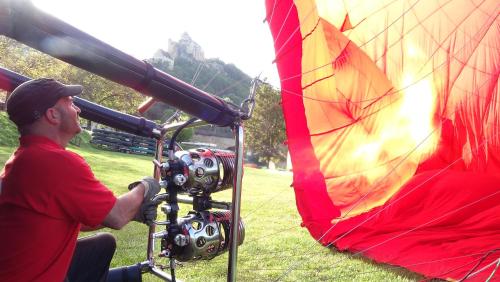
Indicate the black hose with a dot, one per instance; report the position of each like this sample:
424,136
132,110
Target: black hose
174,136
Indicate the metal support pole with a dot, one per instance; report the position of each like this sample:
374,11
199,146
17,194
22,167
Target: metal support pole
235,209
163,275
157,176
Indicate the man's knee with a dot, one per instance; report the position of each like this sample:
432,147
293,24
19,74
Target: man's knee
107,240
99,242
92,257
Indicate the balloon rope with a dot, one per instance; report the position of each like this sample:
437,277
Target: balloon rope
485,83
431,221
385,207
291,34
452,32
407,155
391,91
352,274
278,53
211,79
343,56
453,269
270,20
399,235
196,73
398,90
471,272
273,233
365,195
263,203
232,85
357,273
356,204
281,254
494,271
283,23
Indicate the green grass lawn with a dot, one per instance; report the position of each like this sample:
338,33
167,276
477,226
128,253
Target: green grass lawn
275,246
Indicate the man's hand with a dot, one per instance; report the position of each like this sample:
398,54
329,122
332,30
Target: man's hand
151,187
147,211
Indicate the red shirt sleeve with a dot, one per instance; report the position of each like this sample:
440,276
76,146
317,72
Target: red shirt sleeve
80,195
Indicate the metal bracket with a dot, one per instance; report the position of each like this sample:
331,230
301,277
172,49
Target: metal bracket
248,104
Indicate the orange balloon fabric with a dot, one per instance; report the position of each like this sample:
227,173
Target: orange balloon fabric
391,111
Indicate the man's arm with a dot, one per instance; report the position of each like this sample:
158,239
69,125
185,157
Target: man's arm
86,228
125,208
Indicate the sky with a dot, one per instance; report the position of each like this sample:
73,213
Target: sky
231,30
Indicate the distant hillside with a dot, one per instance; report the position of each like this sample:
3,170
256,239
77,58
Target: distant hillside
185,60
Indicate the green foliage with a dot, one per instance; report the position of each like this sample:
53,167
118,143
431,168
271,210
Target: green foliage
9,135
159,112
265,131
185,135
29,62
212,76
81,140
215,77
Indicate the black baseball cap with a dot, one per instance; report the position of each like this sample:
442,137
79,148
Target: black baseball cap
31,99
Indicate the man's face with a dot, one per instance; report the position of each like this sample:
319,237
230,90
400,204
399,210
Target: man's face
69,116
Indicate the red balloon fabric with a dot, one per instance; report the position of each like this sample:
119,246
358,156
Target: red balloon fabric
391,111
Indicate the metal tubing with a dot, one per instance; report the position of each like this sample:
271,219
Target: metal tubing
214,204
150,251
9,80
115,119
185,200
22,21
235,209
173,126
157,176
159,273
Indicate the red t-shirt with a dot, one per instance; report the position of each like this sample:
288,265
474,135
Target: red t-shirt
46,193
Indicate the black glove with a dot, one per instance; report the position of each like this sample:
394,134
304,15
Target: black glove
151,187
147,211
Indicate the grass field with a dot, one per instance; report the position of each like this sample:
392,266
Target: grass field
275,247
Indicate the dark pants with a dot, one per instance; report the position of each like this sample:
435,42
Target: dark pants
91,259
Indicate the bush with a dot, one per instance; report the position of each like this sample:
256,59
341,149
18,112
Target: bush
9,136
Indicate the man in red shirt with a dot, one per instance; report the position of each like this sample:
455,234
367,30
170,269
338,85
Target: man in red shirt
48,194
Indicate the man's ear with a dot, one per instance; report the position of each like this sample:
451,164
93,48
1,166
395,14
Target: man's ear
52,115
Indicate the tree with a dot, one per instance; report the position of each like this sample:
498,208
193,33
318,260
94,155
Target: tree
265,131
185,135
32,63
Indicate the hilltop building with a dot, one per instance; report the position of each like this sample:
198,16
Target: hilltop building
185,48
